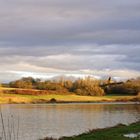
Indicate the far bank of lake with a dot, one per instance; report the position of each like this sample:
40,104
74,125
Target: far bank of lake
68,98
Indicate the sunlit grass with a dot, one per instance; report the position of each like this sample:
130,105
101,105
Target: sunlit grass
71,97
15,98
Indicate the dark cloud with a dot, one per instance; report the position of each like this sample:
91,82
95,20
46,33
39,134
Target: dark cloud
51,22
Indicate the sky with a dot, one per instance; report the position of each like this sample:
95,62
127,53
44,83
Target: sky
47,38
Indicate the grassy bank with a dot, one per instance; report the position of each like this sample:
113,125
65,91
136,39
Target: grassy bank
15,98
69,97
112,133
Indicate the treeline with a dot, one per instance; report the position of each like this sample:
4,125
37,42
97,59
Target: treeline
87,86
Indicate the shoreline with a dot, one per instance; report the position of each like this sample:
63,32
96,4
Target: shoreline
74,102
64,99
117,102
117,132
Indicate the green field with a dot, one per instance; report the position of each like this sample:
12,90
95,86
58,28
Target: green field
112,133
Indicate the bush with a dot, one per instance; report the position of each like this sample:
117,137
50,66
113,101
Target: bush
88,87
21,84
130,87
53,100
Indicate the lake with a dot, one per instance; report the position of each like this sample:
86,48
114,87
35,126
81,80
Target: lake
34,121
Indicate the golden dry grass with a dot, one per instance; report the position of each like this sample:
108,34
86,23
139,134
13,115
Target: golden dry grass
16,98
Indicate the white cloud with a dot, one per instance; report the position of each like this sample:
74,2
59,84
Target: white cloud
96,74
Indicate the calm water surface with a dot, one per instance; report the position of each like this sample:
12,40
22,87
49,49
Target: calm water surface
56,120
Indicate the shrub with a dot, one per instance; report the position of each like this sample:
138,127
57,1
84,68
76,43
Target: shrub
88,87
53,100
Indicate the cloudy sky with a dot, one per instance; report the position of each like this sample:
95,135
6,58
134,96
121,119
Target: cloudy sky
46,38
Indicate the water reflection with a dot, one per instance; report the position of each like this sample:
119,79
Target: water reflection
37,121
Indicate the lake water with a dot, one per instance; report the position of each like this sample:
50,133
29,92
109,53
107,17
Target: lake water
56,120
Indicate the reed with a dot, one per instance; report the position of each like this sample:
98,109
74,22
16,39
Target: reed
9,130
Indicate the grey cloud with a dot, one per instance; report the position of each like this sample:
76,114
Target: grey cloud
75,57
69,35
53,22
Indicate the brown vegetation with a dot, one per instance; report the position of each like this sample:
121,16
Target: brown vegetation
84,87
130,87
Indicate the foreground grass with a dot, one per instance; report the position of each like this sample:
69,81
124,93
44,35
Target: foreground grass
112,133
17,98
